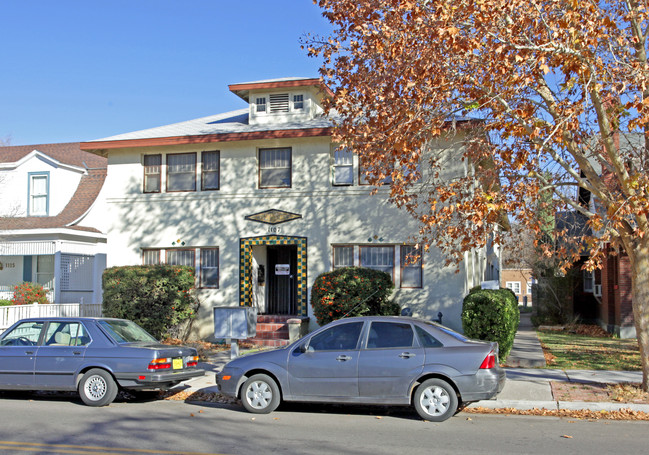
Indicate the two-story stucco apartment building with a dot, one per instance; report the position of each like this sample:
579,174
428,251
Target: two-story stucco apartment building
260,202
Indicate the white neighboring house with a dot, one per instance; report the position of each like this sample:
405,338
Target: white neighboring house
260,203
52,221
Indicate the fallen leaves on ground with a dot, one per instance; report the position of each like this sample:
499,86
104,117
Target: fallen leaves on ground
622,414
621,393
207,397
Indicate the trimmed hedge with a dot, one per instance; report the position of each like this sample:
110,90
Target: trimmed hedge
359,291
491,315
160,298
4,302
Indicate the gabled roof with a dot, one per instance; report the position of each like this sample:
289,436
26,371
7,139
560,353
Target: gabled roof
83,198
66,152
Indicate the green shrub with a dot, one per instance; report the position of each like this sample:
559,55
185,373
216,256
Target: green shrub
354,290
27,293
160,298
4,302
491,315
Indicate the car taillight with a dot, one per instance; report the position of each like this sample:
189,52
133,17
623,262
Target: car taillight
160,364
489,361
192,361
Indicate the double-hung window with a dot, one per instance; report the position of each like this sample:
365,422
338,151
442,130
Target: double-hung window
210,171
151,257
343,256
181,172
378,258
39,187
410,267
181,257
275,168
152,173
343,167
206,270
209,268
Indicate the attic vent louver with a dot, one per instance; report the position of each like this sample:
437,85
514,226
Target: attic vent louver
279,103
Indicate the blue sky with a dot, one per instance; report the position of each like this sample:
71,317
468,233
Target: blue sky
78,70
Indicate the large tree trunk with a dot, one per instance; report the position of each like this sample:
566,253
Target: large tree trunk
640,271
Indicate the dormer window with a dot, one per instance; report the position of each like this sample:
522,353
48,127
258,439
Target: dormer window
298,102
261,104
39,183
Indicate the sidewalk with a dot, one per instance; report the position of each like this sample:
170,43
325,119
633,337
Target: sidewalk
527,386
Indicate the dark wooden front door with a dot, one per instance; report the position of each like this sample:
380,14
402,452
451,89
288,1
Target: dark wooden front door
282,279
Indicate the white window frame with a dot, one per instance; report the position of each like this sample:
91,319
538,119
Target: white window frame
515,286
294,102
33,195
259,104
342,159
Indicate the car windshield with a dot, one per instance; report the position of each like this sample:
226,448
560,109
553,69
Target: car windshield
126,331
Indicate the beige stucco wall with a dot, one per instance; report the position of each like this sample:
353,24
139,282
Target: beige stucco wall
330,215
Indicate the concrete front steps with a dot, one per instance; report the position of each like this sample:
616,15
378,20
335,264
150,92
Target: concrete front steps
272,330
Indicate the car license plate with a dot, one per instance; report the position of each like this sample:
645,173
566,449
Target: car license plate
177,364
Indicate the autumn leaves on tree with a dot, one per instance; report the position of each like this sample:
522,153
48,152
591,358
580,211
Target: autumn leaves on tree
548,99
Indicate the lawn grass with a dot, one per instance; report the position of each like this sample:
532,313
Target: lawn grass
569,351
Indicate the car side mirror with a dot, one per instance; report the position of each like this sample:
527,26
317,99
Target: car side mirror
304,348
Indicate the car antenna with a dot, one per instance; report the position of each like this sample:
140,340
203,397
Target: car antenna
359,303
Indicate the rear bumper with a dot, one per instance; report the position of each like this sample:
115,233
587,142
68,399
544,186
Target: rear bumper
156,380
485,385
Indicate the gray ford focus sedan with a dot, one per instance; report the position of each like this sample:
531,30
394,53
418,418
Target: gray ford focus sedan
94,356
370,360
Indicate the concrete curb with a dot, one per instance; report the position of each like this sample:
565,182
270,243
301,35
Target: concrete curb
596,406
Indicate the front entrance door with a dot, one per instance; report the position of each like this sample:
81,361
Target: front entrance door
282,279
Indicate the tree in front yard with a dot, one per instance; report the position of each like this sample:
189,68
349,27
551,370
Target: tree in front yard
561,93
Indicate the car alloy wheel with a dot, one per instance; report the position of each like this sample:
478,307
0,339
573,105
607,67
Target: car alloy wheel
97,388
435,400
260,394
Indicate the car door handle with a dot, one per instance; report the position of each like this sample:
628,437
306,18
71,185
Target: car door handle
76,353
343,358
29,352
406,355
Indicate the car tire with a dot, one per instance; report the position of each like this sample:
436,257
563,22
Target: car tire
435,400
97,388
260,394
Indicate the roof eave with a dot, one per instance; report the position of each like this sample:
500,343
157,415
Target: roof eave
242,90
100,147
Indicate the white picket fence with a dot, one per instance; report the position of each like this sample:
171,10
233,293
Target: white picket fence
13,313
